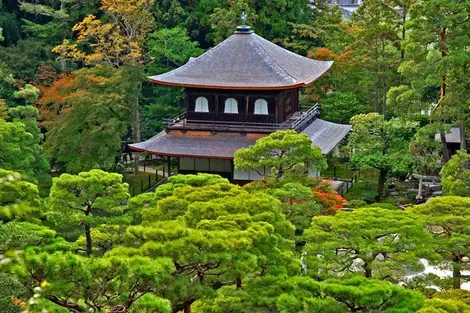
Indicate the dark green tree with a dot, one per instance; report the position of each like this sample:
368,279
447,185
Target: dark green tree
283,153
340,107
382,145
87,200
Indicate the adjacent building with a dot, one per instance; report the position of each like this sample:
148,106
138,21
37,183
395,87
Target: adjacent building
346,6
237,92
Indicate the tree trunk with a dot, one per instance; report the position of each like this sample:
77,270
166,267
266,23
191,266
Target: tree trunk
463,137
456,275
238,282
367,270
442,47
136,124
445,149
187,307
89,245
403,31
381,184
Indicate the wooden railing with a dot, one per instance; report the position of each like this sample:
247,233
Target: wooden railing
181,122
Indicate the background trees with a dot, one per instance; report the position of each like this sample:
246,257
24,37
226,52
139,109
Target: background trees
88,119
382,144
456,175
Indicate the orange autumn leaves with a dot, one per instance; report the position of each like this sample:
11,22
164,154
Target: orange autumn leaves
52,102
329,201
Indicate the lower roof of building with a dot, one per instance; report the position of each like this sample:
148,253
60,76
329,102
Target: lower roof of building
222,145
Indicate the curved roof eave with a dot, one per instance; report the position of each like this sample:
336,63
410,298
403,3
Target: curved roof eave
280,87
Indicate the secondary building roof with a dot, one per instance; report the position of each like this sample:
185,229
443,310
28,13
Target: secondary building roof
326,135
223,145
452,137
245,61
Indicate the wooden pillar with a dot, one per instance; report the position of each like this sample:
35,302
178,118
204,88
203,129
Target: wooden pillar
169,165
247,101
216,107
232,174
276,100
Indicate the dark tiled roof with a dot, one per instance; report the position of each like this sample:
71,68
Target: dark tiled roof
245,61
197,144
223,145
326,135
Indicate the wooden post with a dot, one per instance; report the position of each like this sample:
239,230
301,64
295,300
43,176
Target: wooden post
149,182
136,163
169,165
420,187
163,168
247,101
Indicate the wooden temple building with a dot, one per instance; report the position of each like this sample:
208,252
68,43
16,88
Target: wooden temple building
242,89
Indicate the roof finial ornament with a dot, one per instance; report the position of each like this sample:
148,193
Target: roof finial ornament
243,29
244,17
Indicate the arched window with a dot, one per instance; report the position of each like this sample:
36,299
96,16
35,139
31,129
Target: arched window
231,106
202,105
261,107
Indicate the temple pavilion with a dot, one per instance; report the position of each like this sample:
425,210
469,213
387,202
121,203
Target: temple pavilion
244,88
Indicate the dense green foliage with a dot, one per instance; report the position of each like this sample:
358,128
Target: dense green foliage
382,144
282,153
456,175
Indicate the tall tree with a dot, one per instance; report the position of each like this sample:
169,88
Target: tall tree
117,40
382,145
88,118
426,150
377,45
169,49
283,153
436,59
